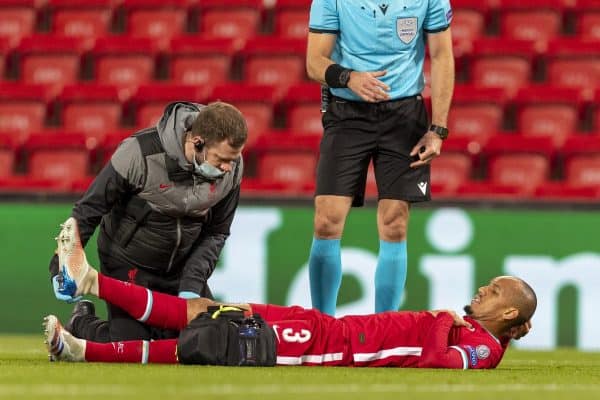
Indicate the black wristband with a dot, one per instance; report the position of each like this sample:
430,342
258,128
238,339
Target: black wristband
337,76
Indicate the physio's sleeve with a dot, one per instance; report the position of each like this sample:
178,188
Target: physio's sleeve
324,17
439,16
436,353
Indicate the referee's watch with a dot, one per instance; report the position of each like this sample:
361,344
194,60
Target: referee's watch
441,131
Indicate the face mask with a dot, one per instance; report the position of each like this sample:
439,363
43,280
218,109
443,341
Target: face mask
207,170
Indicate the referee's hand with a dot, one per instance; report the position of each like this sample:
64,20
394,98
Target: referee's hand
368,87
428,148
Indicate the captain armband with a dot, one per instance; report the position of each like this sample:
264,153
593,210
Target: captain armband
337,76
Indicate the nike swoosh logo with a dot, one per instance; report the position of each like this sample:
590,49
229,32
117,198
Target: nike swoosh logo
164,186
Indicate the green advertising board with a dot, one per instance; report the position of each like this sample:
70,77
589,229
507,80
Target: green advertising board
452,251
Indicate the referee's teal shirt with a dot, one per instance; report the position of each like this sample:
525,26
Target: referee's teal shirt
381,35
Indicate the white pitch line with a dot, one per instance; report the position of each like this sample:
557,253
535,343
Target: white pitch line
12,390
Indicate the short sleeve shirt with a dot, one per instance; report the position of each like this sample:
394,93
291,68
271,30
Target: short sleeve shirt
381,35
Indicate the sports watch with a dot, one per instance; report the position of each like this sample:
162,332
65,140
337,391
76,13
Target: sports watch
441,131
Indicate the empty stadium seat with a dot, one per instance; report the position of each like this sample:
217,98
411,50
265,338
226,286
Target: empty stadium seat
201,61
150,100
531,21
502,63
23,108
125,62
274,61
583,170
581,144
8,149
256,102
573,63
5,48
90,19
449,171
61,157
291,18
561,191
469,19
548,111
288,159
237,19
17,19
524,171
156,19
588,25
503,144
50,60
302,107
477,112
92,109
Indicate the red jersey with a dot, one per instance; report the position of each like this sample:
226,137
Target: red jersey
394,339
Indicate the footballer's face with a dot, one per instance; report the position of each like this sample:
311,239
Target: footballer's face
490,301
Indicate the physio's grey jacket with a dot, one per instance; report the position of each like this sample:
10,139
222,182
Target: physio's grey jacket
182,219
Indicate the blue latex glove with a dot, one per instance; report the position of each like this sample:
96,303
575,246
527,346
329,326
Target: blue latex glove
188,295
60,296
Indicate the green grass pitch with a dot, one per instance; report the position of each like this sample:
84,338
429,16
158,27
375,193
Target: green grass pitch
25,373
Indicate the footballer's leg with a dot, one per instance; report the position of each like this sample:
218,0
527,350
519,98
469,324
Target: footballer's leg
62,346
76,275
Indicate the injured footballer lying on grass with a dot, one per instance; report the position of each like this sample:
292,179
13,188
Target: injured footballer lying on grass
213,333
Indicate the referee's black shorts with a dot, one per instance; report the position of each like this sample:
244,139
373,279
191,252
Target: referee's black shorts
356,132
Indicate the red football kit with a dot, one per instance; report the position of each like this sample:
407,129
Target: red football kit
309,337
392,339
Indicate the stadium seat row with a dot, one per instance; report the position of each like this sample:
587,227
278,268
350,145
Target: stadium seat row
289,18
511,163
477,112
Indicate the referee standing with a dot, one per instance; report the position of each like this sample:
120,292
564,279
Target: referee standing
370,54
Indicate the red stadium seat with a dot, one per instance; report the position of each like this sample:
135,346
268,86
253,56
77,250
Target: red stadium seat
477,112
581,144
50,60
302,104
125,62
573,63
201,61
587,17
5,48
150,100
561,191
524,171
256,102
288,159
516,143
90,19
8,150
156,19
502,63
291,18
449,171
274,61
531,21
236,19
17,19
92,109
469,19
290,168
583,170
548,111
61,157
588,25
487,190
22,108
